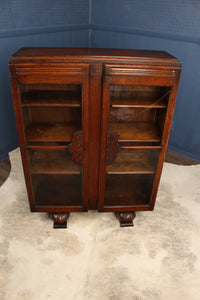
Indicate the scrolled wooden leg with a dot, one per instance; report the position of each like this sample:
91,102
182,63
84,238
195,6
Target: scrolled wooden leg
60,219
125,218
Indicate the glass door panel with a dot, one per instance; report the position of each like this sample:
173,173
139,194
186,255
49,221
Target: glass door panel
128,190
129,179
52,120
56,178
134,162
137,113
51,113
135,121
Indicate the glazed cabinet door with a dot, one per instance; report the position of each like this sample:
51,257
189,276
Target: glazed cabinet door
51,106
136,117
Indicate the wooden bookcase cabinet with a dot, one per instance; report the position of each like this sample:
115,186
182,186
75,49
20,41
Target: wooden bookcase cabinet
93,127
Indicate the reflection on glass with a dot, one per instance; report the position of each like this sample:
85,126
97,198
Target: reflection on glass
129,179
137,116
137,113
128,190
52,113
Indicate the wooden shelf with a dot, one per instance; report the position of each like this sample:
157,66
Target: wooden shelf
52,162
51,98
57,190
128,190
61,132
134,162
58,92
135,132
128,99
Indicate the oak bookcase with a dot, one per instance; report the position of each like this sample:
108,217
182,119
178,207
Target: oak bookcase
93,127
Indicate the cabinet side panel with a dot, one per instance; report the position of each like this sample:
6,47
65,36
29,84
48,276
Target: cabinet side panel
165,136
21,135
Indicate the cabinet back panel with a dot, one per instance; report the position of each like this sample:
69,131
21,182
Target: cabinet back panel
127,114
57,190
128,190
50,87
139,92
52,115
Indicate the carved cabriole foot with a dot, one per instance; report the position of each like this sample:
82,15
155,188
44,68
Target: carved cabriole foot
125,218
60,219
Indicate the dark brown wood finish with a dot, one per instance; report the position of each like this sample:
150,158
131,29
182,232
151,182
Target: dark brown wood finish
104,129
60,220
43,73
125,219
57,54
165,137
128,92
171,157
95,121
21,134
146,125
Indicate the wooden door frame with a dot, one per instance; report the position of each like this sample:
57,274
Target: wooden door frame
125,80
60,78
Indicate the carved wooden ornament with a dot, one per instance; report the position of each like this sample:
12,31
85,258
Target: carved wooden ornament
60,219
125,218
112,147
76,147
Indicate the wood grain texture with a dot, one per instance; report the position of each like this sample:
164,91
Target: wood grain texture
129,92
95,104
137,132
134,162
135,125
165,136
27,54
21,134
112,147
50,132
76,147
127,70
151,97
51,98
171,157
130,101
52,162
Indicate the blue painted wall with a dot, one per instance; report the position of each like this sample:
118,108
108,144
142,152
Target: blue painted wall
173,26
34,23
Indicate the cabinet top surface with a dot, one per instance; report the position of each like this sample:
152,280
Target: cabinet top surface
91,54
